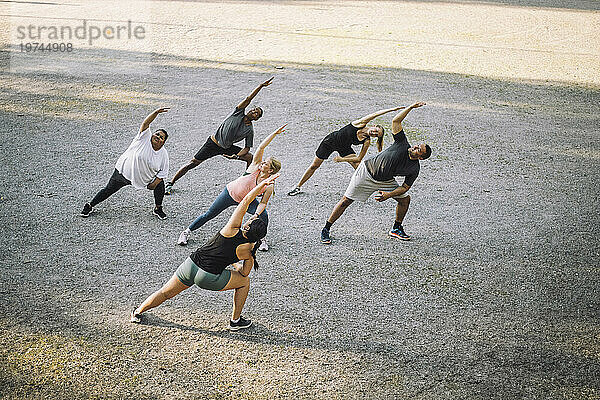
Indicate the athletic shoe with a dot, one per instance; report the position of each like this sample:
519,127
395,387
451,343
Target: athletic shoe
294,191
158,211
87,210
325,238
241,324
263,246
169,189
399,233
135,318
183,237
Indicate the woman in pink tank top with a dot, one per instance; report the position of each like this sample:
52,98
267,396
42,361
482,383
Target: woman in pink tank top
236,190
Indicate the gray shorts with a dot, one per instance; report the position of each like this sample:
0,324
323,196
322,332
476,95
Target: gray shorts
189,273
362,185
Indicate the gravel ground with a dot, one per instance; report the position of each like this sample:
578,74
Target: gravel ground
496,296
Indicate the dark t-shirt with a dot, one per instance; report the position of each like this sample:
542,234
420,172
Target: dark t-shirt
394,161
345,137
233,129
218,253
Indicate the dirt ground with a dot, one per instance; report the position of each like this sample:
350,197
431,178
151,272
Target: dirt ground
495,297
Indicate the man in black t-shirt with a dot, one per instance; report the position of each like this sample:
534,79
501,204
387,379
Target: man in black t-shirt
377,173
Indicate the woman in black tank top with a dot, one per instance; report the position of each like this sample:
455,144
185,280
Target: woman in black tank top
233,243
342,140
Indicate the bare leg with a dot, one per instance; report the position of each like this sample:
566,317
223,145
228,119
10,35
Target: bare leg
402,208
184,170
339,209
311,170
241,285
170,289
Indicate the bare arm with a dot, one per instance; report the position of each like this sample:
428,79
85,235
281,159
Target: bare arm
152,185
265,200
258,156
383,196
362,122
355,158
237,156
397,121
252,95
235,221
245,266
151,118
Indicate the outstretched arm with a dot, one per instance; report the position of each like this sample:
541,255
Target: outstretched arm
353,157
397,121
252,95
151,118
258,156
360,123
235,221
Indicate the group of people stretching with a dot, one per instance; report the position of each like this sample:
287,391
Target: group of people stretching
225,261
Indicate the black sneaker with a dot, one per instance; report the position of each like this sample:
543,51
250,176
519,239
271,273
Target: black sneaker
135,318
399,233
87,210
241,324
325,238
158,211
294,191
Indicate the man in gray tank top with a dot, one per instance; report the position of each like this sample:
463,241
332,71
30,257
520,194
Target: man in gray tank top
236,127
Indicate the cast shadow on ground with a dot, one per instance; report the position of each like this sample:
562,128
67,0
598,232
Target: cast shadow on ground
260,334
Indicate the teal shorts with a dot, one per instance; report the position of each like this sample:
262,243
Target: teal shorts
189,273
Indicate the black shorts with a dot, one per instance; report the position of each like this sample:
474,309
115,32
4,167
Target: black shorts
328,146
211,149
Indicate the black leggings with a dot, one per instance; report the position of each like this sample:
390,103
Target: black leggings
117,181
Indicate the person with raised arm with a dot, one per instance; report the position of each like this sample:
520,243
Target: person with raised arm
378,172
236,127
235,244
342,141
236,190
144,165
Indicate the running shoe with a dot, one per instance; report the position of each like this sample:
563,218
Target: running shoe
263,246
184,237
325,238
399,233
169,189
135,318
87,210
241,324
294,191
158,211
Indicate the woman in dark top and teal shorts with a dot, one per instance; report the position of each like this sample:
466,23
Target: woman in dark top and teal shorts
206,267
342,141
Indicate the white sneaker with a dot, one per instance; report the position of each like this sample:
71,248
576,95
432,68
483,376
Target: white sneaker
183,237
263,246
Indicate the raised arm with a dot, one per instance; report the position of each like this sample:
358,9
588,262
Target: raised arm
235,221
362,122
151,118
258,156
397,121
252,95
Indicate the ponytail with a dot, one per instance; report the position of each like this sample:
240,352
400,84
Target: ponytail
380,138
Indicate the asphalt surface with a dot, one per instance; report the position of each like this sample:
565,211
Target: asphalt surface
496,296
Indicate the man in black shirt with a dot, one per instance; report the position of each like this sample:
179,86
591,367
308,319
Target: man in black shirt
377,174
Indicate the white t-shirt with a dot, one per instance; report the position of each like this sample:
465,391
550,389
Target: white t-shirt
141,163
